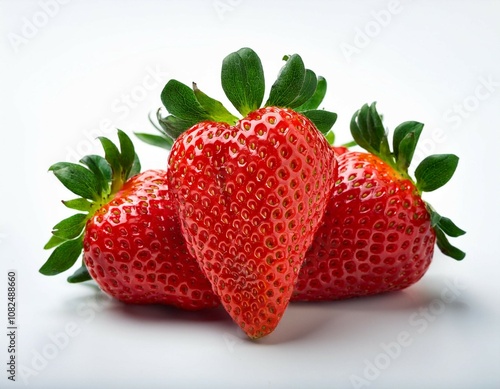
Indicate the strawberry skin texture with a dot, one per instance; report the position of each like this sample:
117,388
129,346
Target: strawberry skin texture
376,235
250,199
134,249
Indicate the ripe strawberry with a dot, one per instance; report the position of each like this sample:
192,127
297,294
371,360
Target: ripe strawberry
250,199
378,234
250,192
132,244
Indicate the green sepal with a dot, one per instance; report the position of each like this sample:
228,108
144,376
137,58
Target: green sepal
400,135
54,241
317,98
289,83
372,135
330,137
349,144
70,227
112,155
216,110
63,257
307,91
127,155
357,130
435,171
161,141
180,101
323,120
124,161
446,247
406,151
80,275
243,82
79,204
445,224
174,126
450,228
77,179
136,167
375,131
101,169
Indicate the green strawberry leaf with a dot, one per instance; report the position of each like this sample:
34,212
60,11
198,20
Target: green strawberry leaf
112,155
377,131
446,247
180,101
70,227
323,120
174,126
400,133
80,275
101,169
54,241
63,257
161,141
243,80
307,91
330,137
450,228
405,152
350,144
368,131
79,204
136,167
435,171
315,100
445,224
289,83
77,179
217,111
127,154
358,129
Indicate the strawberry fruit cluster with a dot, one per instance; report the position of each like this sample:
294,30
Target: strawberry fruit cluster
253,212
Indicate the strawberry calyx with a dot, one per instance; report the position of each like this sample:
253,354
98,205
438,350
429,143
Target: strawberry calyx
95,180
243,82
432,173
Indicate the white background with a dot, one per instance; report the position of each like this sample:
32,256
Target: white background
72,70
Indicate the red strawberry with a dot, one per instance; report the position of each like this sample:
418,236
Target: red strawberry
250,192
132,244
250,199
378,234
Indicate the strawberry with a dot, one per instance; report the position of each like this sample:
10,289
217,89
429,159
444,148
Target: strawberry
251,192
378,234
129,232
